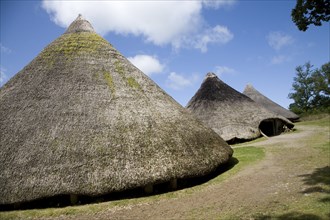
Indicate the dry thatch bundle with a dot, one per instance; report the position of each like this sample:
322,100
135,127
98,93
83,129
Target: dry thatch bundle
262,100
234,116
80,119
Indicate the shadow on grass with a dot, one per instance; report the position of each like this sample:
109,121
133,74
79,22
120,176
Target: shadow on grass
160,188
289,216
318,182
320,175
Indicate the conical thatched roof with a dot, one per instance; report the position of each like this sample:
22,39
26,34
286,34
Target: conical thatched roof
231,114
80,119
262,100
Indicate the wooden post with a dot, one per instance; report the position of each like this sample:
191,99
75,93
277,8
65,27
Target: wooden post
174,183
73,199
148,189
17,205
275,127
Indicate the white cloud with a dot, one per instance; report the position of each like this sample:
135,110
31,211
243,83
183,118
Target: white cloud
156,20
3,76
220,70
218,34
280,59
218,3
277,40
4,49
147,64
176,81
159,22
311,44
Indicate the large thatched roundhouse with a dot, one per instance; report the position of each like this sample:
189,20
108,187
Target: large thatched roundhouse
80,119
234,116
262,100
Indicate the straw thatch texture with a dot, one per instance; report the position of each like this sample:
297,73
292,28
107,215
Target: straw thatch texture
262,100
81,119
231,114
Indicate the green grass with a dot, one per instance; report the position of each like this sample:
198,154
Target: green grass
245,155
323,121
314,115
308,208
314,203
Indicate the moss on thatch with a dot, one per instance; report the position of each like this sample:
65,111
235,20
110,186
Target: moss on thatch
63,132
108,78
231,114
265,102
132,83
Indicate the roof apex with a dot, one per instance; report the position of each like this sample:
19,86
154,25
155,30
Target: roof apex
210,75
249,86
80,25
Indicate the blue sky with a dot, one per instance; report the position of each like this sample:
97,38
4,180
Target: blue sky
177,42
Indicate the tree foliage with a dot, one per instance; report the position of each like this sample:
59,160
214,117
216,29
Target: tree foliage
311,88
309,12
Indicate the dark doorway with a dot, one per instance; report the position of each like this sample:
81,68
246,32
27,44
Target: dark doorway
268,127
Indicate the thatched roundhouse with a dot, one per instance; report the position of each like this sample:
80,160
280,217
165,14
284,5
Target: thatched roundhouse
80,119
234,116
262,100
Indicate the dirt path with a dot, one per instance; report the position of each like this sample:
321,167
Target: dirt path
273,183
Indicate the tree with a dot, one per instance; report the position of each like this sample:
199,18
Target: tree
309,12
311,88
321,80
302,86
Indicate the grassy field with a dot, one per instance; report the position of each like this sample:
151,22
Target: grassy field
315,202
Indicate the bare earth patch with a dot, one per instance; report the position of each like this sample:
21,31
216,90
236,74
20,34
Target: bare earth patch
281,186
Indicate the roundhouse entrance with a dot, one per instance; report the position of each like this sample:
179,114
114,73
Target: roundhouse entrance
271,127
